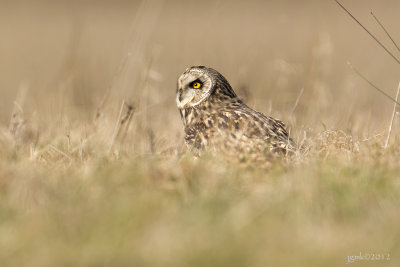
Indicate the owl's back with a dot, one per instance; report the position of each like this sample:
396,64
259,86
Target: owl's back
232,126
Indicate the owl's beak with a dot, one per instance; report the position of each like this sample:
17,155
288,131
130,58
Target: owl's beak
183,97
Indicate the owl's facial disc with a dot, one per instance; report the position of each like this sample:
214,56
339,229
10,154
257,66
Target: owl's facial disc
193,87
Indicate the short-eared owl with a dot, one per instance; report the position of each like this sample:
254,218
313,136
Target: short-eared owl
214,117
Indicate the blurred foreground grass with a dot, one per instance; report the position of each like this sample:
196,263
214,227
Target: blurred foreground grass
76,192
173,210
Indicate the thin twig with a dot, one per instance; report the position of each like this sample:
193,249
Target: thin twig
373,85
359,23
391,121
81,149
61,152
127,120
372,137
113,85
387,33
297,100
116,128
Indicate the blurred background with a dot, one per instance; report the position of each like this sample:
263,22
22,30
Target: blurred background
85,183
68,58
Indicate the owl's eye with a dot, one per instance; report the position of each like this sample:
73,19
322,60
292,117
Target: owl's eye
196,84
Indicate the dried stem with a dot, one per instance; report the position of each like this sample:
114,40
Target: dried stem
126,120
391,121
297,100
117,126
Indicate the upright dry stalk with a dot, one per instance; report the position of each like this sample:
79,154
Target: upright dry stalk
126,121
112,87
297,100
391,121
117,126
145,22
17,116
122,125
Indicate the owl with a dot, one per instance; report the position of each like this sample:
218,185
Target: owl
215,118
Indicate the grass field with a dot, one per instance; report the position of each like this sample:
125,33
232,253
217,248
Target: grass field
93,168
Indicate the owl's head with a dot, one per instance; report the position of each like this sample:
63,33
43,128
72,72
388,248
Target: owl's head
198,83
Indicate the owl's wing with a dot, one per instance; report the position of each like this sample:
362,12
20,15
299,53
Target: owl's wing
252,128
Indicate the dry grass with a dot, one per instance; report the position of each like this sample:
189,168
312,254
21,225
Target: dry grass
93,169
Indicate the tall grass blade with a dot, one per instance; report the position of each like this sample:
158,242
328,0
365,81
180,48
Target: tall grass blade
376,39
384,29
373,85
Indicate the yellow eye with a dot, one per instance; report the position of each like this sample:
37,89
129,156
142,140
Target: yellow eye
196,85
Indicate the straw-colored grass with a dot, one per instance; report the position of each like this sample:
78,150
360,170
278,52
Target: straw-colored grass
94,171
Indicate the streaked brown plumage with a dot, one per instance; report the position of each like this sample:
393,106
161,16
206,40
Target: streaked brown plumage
214,118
